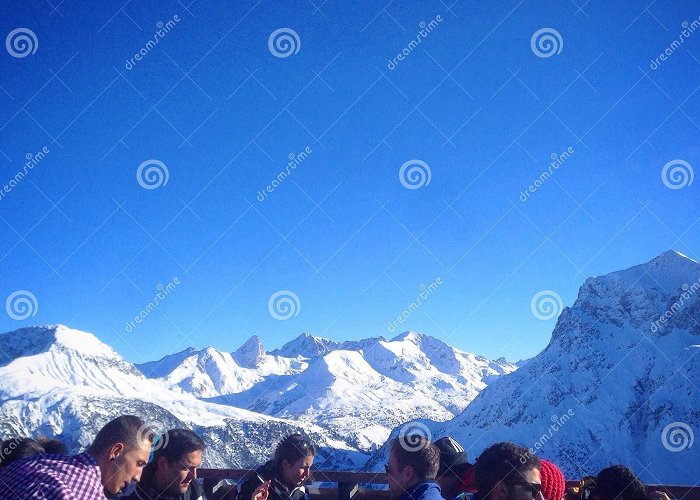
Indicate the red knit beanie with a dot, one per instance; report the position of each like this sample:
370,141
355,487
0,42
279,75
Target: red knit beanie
553,484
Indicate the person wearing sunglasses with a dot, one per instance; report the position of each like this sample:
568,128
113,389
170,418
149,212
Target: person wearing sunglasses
413,465
283,477
506,471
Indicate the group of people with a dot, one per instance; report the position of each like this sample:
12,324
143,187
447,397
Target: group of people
128,460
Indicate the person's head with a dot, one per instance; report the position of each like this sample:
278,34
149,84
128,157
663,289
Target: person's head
52,446
121,449
505,471
553,482
618,482
175,461
453,466
412,459
14,449
293,459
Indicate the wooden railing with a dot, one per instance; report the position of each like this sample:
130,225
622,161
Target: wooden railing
349,484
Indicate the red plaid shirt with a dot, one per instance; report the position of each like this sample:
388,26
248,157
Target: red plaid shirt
52,477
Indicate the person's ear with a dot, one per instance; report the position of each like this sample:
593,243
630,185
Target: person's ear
409,473
115,451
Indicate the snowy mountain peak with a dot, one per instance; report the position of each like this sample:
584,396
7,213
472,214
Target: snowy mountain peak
251,353
410,336
306,346
37,339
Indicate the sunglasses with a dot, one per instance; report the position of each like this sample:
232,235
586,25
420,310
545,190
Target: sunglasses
534,488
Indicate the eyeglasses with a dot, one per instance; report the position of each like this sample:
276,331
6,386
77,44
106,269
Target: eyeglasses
534,488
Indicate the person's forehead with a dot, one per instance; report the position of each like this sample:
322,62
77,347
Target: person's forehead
192,459
140,453
532,475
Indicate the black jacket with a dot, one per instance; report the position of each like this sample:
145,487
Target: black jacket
278,490
145,490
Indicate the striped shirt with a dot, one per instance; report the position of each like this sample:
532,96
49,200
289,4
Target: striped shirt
52,477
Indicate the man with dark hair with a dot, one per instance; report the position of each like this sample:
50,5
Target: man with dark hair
505,471
618,482
115,459
52,446
14,449
412,468
172,472
456,474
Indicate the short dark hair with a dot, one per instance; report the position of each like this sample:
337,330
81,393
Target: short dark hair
292,448
52,446
175,443
14,449
127,429
620,482
419,453
502,462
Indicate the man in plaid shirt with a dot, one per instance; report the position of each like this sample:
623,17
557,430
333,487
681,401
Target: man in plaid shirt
115,459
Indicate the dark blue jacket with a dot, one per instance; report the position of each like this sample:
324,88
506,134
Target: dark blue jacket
427,490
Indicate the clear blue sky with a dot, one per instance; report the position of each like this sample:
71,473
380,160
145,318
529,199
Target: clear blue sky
222,113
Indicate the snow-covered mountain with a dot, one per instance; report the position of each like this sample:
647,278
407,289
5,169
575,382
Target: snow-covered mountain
58,381
355,389
616,384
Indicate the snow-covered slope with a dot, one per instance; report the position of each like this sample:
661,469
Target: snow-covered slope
59,381
614,385
356,389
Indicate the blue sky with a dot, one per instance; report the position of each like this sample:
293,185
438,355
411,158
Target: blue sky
211,102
